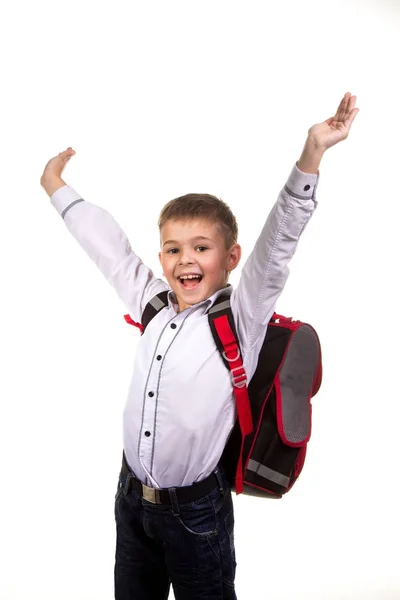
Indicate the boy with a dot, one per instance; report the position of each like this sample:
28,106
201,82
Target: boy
173,506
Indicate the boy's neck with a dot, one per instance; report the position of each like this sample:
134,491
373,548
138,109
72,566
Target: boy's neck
184,307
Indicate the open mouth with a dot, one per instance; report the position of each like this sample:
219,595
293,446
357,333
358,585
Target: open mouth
190,282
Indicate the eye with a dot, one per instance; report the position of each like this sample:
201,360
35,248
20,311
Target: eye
172,251
201,248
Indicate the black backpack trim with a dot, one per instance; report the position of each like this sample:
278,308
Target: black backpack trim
153,307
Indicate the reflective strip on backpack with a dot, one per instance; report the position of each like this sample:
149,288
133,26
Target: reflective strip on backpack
268,473
156,303
220,306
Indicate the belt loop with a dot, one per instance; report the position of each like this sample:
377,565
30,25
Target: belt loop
127,482
220,480
174,501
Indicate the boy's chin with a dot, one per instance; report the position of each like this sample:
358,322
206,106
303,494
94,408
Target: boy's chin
189,297
193,296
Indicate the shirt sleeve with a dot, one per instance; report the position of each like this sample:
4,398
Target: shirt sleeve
108,246
266,270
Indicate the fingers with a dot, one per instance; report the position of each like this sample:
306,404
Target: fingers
340,109
348,122
67,154
343,107
350,111
345,113
56,165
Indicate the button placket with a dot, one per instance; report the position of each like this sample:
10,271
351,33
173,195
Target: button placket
150,416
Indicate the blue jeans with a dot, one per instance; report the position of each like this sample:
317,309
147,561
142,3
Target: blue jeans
188,545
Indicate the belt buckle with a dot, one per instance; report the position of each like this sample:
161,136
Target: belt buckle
151,494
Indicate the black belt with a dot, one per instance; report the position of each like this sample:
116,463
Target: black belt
185,494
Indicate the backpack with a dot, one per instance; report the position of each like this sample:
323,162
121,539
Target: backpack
266,450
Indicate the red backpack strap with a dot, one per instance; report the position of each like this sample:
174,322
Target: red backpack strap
152,308
224,332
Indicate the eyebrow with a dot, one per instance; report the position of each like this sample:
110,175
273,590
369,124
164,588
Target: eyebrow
197,238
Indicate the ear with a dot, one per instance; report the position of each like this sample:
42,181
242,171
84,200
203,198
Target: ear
233,257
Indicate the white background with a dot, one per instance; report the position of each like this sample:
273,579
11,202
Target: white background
160,99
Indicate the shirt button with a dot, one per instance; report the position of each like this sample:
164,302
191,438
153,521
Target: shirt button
307,187
173,325
147,433
151,394
159,357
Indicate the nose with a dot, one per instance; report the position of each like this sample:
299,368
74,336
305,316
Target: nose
186,257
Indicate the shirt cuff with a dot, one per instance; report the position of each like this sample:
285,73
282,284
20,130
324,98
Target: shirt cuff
302,185
63,198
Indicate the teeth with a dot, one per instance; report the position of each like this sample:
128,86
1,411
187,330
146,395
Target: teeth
190,277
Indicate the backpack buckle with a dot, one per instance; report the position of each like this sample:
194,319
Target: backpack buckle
235,358
239,378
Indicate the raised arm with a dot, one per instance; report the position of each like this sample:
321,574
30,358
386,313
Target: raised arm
102,239
266,270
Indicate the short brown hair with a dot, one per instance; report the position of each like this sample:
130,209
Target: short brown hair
202,206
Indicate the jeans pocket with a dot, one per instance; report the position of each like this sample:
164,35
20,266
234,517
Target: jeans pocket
198,518
221,501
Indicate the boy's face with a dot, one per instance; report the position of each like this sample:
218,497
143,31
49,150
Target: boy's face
195,248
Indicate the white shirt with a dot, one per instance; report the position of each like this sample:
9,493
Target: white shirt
180,408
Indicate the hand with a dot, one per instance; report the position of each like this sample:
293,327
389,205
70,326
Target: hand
337,128
51,178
